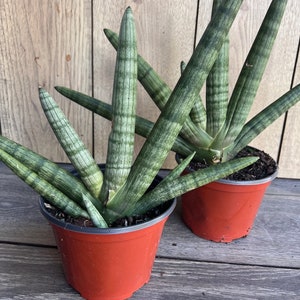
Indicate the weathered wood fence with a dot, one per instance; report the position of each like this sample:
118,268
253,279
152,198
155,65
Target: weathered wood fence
48,43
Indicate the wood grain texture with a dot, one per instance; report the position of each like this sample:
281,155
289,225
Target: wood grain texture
43,43
202,280
32,273
289,158
36,273
165,31
273,240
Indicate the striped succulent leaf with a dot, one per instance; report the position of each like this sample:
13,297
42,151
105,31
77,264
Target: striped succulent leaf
121,140
142,126
217,84
249,79
198,112
44,188
68,184
170,121
160,92
263,119
80,157
177,171
169,189
95,215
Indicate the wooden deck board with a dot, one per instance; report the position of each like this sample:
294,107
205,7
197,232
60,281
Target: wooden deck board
202,280
265,265
27,271
36,273
274,239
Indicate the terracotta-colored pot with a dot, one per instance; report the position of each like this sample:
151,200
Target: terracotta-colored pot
107,263
224,210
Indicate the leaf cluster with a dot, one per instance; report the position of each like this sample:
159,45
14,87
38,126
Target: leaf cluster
123,189
217,128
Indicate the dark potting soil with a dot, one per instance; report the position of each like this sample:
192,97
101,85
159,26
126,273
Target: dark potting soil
122,222
149,215
262,168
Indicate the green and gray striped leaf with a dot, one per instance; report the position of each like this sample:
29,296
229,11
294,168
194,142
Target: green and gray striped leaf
217,85
177,171
96,217
263,119
143,127
44,188
169,189
249,79
80,157
68,184
198,112
160,92
170,121
121,140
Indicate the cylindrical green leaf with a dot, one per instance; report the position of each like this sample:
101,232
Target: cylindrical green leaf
198,112
96,217
250,77
217,85
173,188
263,119
176,110
44,188
80,157
121,140
68,184
160,92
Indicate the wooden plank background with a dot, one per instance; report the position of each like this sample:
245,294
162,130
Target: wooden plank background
61,42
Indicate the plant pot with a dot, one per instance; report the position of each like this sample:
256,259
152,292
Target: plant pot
107,263
224,210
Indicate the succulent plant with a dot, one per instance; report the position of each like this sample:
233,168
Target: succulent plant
218,129
123,189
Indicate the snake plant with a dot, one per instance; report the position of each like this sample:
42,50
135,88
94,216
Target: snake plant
123,189
217,130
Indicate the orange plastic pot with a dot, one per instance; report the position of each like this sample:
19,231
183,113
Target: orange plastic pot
224,210
107,263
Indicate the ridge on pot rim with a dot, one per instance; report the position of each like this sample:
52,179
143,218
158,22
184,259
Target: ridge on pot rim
110,230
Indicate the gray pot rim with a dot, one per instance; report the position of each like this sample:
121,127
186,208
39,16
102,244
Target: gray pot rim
104,231
110,230
249,182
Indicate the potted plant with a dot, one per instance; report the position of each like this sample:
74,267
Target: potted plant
237,198
88,211
218,131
